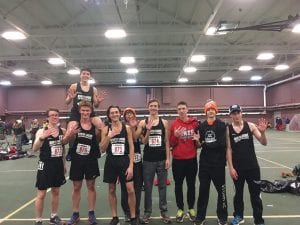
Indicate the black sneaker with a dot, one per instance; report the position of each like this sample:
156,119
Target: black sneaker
134,221
38,223
165,218
114,221
146,219
198,222
56,221
222,222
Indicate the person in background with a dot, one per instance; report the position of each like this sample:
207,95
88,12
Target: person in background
242,163
183,141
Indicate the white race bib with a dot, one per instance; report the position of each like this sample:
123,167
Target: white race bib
118,149
155,141
56,151
137,157
83,149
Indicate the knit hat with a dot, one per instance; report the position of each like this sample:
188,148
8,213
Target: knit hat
130,110
211,105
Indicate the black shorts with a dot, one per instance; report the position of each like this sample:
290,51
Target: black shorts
116,166
75,115
84,169
50,174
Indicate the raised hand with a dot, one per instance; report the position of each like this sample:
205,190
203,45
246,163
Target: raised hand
113,132
72,93
149,124
262,125
101,96
178,131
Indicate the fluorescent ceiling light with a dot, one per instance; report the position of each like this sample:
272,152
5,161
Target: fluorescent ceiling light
46,82
256,77
56,61
91,81
127,60
73,71
5,82
265,56
13,35
282,67
132,70
131,81
226,79
245,68
211,31
19,72
183,80
296,28
198,58
190,69
115,33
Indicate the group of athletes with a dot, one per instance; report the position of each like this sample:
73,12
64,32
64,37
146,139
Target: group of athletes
121,141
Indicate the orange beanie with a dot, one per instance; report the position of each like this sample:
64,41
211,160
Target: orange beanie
211,105
129,109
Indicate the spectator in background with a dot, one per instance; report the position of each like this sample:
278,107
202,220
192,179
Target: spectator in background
34,126
18,130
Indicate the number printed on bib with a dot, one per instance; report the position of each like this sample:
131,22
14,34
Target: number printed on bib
137,157
56,151
118,149
155,141
83,149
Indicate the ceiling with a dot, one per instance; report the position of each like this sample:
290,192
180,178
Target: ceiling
162,35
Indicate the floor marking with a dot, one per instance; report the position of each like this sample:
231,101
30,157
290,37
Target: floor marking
280,151
276,163
10,171
22,207
158,218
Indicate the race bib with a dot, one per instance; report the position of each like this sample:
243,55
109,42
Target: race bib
83,149
56,151
118,149
40,165
137,157
155,141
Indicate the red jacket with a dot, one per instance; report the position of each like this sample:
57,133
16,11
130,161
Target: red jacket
184,147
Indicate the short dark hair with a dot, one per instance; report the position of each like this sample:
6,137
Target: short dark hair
85,104
51,109
108,111
182,103
86,69
153,100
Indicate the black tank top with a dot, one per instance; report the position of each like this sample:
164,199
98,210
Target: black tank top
213,153
118,145
155,149
86,145
243,153
52,148
81,95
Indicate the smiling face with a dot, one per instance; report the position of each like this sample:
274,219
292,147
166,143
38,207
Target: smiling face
85,112
85,75
153,107
53,117
182,111
114,114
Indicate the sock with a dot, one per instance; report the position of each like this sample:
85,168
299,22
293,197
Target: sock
91,212
53,215
38,220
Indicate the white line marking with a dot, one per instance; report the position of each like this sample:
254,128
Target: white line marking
276,163
22,207
11,171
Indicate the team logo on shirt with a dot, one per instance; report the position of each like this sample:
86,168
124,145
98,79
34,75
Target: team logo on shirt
241,137
210,136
